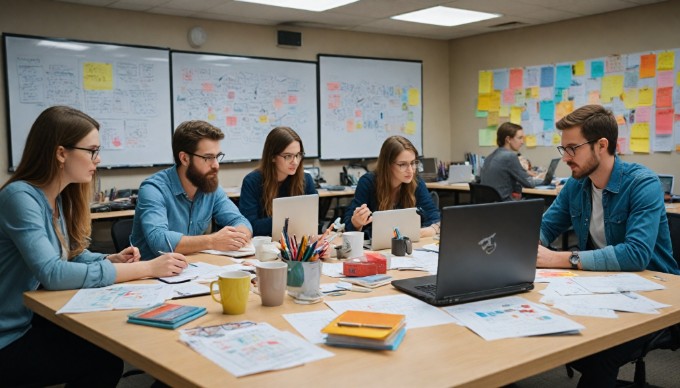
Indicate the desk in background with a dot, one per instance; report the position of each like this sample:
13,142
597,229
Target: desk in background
456,188
445,355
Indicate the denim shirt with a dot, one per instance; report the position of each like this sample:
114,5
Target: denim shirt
635,221
366,193
164,213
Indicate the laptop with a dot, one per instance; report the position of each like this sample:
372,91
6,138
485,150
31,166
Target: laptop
460,173
549,175
667,184
486,250
384,222
428,169
302,212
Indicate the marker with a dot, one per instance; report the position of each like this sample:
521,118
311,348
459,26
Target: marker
367,325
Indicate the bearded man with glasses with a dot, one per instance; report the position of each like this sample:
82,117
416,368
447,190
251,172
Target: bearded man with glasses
175,206
618,214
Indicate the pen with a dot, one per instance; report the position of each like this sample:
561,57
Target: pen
169,245
367,325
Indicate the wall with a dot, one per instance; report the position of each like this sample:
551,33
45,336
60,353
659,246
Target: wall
652,27
73,21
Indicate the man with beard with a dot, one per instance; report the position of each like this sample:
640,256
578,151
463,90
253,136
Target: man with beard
176,206
618,214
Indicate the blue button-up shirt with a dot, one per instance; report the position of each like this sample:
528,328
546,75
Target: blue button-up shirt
164,213
635,222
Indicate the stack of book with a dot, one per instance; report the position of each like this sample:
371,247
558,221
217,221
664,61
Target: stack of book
166,315
366,329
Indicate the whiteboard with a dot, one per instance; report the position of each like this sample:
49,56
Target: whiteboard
363,101
125,88
246,98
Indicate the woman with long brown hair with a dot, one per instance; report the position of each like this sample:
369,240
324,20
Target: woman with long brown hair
44,234
280,174
393,185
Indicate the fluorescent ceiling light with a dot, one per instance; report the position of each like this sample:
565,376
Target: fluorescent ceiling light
62,45
308,5
445,16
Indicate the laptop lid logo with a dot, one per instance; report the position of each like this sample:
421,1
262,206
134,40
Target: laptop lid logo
488,244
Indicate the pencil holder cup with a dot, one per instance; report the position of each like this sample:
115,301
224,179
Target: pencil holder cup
303,281
401,246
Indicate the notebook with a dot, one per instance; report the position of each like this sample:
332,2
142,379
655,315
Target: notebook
302,212
459,173
486,250
549,175
384,222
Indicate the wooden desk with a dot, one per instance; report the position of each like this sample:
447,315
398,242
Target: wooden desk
112,215
457,188
445,355
673,207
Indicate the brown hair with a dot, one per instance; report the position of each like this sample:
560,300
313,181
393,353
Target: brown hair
59,126
504,130
596,123
189,134
277,140
390,150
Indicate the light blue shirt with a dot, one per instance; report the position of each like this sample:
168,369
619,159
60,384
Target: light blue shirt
635,221
32,255
164,213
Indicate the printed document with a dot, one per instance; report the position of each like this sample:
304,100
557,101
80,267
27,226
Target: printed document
117,297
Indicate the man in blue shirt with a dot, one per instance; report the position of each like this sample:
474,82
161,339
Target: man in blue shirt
618,214
176,206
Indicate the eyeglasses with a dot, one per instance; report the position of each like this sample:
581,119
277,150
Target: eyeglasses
404,165
93,151
571,150
209,159
289,157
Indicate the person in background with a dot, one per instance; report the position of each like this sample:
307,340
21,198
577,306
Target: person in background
393,185
44,234
502,169
175,206
617,212
280,174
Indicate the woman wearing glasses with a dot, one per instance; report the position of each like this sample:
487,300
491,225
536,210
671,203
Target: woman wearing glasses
44,234
280,174
393,185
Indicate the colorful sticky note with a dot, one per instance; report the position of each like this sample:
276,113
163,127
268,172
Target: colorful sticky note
639,131
483,101
630,98
485,81
664,79
664,97
646,97
666,60
547,76
664,121
648,66
493,119
487,137
580,68
563,80
97,76
413,97
596,69
547,110
530,141
516,115
612,86
639,145
500,79
516,78
410,128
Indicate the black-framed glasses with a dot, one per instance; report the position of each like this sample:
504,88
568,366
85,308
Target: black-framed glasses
571,150
404,165
209,158
93,151
289,157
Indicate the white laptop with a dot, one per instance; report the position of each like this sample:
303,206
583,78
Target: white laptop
384,222
302,212
460,173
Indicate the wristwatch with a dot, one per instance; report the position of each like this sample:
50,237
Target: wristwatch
574,259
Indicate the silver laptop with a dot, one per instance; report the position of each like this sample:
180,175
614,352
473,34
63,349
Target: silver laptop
460,173
384,222
302,212
546,183
486,250
666,183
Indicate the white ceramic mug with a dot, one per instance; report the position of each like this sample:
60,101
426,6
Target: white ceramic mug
352,245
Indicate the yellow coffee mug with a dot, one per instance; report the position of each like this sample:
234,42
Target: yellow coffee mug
234,287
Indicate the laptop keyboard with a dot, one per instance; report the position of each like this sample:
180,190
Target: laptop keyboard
430,289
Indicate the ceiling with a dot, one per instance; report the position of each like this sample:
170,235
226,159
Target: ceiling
374,15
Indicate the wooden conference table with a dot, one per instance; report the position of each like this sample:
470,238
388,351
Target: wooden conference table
445,355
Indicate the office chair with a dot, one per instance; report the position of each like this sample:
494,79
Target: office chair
480,193
435,198
120,233
668,338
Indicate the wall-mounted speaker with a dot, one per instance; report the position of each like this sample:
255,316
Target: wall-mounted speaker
289,38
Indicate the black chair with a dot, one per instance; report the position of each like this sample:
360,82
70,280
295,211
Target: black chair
435,198
120,233
674,226
480,193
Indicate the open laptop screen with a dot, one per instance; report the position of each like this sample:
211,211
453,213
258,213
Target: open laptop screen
666,183
302,212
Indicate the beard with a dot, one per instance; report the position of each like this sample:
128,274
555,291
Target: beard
591,165
204,183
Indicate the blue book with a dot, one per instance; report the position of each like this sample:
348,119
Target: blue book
355,342
166,315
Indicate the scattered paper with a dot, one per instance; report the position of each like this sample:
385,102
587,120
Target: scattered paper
116,297
310,324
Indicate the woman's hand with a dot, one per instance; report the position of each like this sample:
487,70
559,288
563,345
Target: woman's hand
169,264
127,255
361,217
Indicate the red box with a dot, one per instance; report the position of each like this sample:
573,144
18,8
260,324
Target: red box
379,260
359,268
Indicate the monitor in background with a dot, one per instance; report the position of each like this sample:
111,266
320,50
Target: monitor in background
302,212
460,173
667,183
549,174
428,169
384,222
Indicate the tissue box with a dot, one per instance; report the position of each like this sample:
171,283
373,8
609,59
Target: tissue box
379,260
356,267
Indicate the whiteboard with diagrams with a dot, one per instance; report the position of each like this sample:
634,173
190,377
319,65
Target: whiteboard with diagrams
363,101
125,88
246,98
